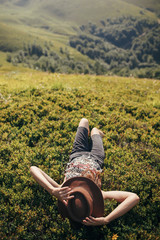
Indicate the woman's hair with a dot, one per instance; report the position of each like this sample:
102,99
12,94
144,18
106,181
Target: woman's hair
94,176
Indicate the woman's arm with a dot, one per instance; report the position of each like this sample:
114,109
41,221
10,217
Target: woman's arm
127,201
50,185
43,179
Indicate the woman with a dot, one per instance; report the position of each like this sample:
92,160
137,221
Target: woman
86,161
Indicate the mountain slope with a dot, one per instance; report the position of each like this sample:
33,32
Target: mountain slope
59,17
46,27
77,12
151,5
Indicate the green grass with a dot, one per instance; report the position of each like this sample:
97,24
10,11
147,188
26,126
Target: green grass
39,116
79,12
83,11
34,78
12,39
119,88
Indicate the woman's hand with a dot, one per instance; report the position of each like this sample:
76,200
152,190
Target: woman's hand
63,194
91,221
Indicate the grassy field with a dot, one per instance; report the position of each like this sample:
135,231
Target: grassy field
39,116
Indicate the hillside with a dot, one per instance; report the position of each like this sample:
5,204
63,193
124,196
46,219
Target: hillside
151,5
38,121
76,12
25,24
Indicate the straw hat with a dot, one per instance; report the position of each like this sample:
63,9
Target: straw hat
87,201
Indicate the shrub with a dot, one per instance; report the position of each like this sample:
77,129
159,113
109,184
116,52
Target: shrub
38,127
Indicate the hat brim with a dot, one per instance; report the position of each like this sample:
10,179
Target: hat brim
94,191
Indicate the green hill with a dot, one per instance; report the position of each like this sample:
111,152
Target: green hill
151,5
78,12
56,23
62,16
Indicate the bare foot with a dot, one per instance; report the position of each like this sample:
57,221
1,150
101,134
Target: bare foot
101,133
97,131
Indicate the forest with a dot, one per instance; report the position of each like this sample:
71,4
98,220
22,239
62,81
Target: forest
124,46
38,57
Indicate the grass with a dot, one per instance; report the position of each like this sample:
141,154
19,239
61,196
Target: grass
9,67
114,85
150,4
12,39
39,116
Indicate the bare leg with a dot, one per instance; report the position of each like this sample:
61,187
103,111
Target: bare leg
84,123
97,131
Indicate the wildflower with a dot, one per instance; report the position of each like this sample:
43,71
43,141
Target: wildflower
114,237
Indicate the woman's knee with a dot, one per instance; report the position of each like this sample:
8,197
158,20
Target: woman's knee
94,131
84,123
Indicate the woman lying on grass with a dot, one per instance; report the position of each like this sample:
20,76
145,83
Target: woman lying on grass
79,197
